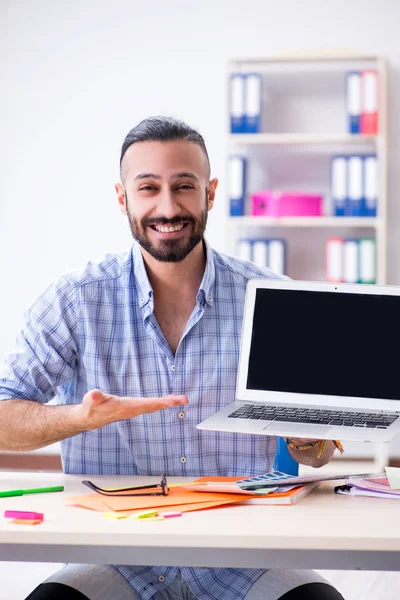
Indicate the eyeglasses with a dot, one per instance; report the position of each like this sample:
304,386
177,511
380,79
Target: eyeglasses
160,489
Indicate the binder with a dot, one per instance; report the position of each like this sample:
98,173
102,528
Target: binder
277,255
370,185
353,101
237,93
252,105
237,185
354,204
367,260
260,253
338,185
334,259
244,249
369,101
350,261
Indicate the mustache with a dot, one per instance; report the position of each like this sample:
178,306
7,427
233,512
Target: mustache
164,221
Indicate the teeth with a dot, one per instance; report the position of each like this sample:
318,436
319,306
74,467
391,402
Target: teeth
165,229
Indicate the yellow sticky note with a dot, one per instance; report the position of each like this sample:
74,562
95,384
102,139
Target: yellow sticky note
393,475
145,514
153,519
114,515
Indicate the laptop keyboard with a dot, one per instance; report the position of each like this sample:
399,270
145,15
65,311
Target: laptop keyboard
314,416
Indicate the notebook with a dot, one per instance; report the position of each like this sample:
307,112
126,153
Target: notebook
377,488
316,362
289,494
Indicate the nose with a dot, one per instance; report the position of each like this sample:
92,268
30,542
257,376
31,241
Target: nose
168,205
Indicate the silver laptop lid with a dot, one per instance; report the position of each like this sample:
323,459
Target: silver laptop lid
320,343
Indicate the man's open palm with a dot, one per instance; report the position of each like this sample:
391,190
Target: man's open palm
100,409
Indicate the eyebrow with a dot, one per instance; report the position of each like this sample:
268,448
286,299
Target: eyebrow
176,176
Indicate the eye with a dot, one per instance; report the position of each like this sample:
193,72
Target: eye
146,188
185,186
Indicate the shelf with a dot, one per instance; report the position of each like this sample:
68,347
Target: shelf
307,56
300,138
306,221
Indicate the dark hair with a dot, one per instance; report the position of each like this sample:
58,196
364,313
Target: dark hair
162,129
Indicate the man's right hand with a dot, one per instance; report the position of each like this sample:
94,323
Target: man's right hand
98,409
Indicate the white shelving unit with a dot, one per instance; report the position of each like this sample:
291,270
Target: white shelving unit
280,144
287,141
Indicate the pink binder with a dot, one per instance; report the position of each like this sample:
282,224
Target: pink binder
286,204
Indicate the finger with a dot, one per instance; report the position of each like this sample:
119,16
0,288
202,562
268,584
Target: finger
154,404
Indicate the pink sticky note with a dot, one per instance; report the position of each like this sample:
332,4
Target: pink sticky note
23,514
169,515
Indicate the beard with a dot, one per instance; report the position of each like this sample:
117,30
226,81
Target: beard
174,250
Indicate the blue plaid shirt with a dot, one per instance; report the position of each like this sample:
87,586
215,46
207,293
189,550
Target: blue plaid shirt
95,328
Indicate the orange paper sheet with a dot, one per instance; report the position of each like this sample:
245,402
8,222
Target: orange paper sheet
180,499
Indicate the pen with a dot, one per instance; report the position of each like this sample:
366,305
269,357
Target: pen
9,493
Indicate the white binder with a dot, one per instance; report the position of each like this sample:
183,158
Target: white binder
369,98
370,185
236,185
367,260
350,261
252,108
338,185
276,256
244,250
353,101
237,93
354,207
334,259
260,253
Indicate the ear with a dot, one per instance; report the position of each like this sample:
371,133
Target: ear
119,188
212,187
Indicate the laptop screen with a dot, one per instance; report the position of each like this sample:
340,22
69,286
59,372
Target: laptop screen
327,343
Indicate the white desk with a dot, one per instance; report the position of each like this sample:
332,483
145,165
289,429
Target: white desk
323,531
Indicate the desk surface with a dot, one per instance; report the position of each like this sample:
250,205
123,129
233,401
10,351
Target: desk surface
323,531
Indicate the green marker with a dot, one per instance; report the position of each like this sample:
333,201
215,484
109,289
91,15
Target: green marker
9,493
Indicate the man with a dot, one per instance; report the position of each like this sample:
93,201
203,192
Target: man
138,349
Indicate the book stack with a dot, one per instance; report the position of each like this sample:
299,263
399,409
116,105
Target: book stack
362,101
377,486
245,102
354,185
270,494
350,260
265,252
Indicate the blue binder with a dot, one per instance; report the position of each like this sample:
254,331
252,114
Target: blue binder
237,100
354,206
353,101
338,185
237,185
370,185
252,103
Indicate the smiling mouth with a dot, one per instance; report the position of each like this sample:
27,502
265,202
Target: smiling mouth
168,228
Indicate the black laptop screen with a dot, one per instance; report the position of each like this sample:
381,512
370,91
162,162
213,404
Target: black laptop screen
325,343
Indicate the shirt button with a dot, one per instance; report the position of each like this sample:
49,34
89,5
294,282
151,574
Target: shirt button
181,415
161,578
209,298
173,368
183,459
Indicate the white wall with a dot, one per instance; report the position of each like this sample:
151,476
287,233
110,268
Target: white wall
77,75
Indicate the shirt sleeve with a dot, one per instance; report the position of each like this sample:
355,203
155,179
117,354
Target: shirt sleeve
46,353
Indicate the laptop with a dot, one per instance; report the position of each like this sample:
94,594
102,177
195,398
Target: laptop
317,360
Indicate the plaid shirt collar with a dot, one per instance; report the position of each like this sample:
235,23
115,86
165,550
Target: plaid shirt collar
145,291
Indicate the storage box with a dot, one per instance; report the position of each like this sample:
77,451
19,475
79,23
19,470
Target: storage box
286,204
